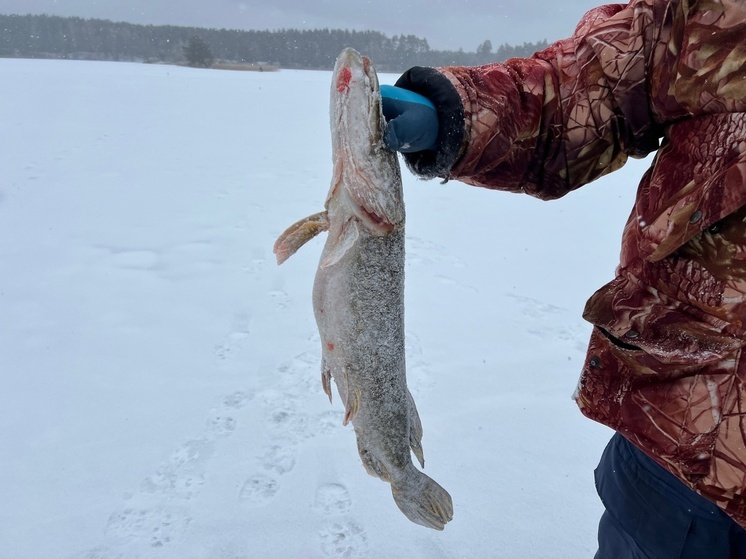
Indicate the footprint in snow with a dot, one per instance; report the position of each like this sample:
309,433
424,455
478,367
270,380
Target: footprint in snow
182,475
343,541
301,376
291,425
173,484
157,527
177,481
234,342
221,422
237,400
332,498
258,490
279,458
230,347
329,421
282,403
281,299
221,425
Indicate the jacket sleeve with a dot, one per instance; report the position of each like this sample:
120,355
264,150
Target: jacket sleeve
553,122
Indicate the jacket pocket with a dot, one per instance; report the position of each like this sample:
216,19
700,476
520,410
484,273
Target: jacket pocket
672,411
670,337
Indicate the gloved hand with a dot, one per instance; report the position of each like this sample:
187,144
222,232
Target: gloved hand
412,120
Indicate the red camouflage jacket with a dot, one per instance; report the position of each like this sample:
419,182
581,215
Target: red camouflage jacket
665,365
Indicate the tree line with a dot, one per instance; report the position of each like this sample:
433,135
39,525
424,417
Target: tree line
44,36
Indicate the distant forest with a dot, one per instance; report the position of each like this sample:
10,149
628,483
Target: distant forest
42,36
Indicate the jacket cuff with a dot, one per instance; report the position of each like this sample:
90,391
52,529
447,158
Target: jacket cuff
435,86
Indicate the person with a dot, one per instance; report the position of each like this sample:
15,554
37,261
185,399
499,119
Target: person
665,366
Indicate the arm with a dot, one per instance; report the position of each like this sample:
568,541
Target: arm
556,121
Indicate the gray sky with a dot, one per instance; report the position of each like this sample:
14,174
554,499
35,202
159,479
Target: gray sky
446,24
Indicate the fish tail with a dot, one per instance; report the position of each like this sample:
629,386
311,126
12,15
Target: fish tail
422,500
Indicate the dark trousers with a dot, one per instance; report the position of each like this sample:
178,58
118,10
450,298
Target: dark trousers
650,514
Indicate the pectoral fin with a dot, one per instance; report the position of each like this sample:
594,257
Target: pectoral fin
345,242
299,234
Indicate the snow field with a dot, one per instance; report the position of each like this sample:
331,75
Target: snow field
160,379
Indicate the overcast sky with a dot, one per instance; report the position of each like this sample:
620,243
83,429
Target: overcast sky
446,24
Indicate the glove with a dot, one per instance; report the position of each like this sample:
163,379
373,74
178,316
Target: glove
412,121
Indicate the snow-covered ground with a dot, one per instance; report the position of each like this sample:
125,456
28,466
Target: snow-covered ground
159,374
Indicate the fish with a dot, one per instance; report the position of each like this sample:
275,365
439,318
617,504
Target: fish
358,293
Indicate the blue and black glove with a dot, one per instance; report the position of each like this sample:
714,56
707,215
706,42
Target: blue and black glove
412,120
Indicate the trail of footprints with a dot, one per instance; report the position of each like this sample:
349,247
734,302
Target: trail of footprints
339,538
157,513
288,426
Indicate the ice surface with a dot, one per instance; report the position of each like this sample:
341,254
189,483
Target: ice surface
161,391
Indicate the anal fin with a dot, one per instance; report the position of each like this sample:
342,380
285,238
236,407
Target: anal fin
415,430
351,395
352,404
326,382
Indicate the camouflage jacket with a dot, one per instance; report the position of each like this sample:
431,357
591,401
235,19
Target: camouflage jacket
665,365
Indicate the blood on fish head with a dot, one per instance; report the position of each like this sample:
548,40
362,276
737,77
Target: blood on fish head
343,79
344,75
355,80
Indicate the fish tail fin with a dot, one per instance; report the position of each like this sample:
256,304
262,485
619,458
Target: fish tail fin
298,234
422,500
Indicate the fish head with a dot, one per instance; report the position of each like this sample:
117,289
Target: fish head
355,100
366,180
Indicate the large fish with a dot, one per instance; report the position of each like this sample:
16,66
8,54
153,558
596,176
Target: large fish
358,293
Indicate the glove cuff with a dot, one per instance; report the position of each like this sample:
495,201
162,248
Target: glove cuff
430,83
